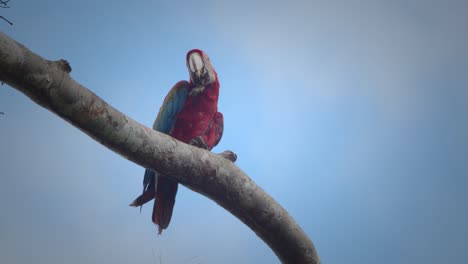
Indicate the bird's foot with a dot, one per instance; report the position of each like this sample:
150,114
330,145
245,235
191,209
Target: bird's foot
198,142
229,155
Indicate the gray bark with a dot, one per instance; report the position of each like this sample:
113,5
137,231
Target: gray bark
49,84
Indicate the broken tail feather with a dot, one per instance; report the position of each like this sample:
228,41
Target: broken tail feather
164,204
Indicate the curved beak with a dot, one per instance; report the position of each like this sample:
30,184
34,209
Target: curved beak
197,68
196,64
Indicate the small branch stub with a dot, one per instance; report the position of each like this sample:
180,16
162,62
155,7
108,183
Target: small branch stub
64,65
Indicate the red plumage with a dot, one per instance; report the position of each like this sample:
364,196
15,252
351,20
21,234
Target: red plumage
200,117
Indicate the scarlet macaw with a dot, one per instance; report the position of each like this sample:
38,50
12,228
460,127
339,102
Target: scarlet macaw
190,114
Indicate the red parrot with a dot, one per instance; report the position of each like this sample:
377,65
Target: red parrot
190,114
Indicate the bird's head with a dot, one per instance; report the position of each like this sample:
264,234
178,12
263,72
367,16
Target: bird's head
202,73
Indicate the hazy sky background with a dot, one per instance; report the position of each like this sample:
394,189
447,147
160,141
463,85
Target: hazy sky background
352,114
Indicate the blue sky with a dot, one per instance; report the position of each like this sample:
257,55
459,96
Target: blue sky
351,114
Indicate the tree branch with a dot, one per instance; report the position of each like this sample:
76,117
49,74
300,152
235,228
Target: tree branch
8,21
4,4
49,84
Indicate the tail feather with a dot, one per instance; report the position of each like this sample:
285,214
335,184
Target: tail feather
147,195
164,204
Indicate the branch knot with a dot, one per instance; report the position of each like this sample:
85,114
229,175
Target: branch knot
64,65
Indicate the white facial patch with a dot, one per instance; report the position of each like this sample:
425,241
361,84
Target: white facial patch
195,62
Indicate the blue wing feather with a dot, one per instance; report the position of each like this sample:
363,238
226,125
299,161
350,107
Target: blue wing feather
172,105
165,121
